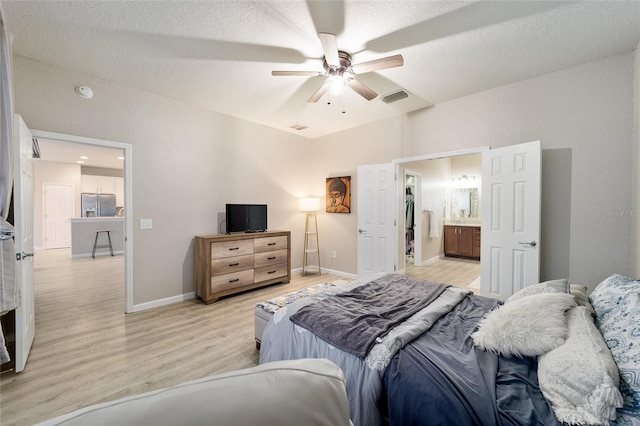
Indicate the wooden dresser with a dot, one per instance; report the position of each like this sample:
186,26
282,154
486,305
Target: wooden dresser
228,264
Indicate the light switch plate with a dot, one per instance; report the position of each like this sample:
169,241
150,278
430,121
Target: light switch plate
146,224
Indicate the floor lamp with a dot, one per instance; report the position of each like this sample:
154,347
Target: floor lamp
311,246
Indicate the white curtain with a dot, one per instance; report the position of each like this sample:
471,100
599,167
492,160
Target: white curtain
9,291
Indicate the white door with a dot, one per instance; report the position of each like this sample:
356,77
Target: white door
377,231
23,217
58,207
510,219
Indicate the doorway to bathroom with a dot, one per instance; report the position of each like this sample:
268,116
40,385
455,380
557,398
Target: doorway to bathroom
440,193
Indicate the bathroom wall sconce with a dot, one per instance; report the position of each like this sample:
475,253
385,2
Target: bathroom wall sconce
464,177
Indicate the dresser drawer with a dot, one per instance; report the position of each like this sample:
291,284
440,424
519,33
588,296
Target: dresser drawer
227,265
270,272
270,258
270,243
228,281
231,248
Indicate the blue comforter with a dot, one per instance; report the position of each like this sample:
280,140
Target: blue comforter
441,379
433,377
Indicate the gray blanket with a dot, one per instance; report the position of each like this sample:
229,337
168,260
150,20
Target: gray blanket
352,321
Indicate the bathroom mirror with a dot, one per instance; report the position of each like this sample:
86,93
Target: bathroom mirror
464,203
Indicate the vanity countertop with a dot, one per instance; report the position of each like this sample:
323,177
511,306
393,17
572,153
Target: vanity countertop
462,224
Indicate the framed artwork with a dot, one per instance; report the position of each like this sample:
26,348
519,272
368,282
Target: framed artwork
339,194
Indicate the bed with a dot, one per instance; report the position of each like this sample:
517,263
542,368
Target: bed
415,352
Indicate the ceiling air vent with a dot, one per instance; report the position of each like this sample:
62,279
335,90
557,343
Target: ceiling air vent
36,148
298,127
394,96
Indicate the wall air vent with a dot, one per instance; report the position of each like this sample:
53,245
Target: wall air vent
394,96
298,127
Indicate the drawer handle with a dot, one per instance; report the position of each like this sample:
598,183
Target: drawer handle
234,264
271,272
234,280
271,244
234,248
271,258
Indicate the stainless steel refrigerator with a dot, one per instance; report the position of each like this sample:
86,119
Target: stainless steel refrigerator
98,205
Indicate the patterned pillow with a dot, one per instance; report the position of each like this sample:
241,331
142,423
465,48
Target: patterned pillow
616,301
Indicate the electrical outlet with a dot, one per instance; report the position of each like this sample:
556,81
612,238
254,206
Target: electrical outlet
146,224
334,254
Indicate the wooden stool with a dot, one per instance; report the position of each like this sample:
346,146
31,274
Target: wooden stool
95,243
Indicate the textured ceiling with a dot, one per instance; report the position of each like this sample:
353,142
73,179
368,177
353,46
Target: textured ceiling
220,54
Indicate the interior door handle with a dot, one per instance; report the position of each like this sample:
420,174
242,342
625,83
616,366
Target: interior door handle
362,231
531,243
23,255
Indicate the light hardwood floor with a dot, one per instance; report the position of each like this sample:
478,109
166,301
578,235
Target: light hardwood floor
87,350
454,271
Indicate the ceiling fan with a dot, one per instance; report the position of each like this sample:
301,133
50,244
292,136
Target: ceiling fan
341,72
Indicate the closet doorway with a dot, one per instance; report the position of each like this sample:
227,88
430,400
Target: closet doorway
412,227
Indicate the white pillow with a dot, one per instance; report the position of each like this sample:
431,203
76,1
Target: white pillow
553,286
580,378
580,293
528,326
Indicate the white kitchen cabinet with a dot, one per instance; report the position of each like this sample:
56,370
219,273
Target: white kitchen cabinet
99,184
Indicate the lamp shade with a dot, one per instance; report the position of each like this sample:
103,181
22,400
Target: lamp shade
310,204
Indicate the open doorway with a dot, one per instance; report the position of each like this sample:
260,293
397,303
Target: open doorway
412,226
439,189
111,166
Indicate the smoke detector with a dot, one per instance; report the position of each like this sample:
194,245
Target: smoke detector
84,92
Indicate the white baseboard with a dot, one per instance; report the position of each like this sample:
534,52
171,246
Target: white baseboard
298,271
339,273
115,252
162,302
182,297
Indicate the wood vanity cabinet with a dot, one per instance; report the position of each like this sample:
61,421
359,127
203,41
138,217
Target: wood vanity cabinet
476,243
462,241
228,264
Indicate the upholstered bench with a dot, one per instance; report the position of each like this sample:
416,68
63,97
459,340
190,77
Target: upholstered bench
265,310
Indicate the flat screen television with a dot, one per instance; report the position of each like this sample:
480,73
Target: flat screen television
246,218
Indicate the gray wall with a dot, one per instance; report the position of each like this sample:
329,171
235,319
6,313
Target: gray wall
188,162
636,167
583,117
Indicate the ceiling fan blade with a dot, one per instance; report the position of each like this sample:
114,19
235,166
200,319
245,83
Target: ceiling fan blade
361,89
318,94
330,48
297,73
378,64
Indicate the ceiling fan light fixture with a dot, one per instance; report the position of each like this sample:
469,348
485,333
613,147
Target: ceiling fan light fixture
336,85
